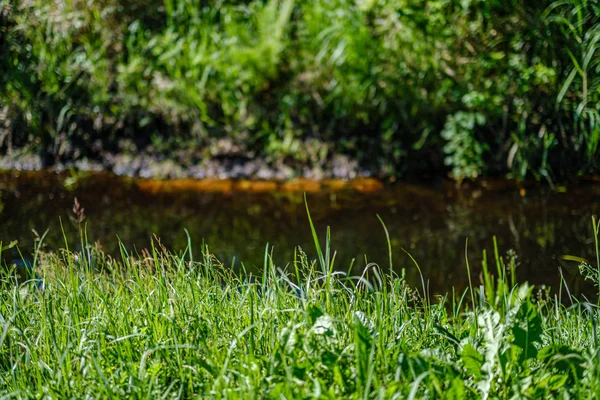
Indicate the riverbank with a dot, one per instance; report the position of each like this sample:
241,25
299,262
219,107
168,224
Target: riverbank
148,165
464,88
180,324
340,168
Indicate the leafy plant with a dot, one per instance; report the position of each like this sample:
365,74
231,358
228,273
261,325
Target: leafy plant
464,153
397,86
579,95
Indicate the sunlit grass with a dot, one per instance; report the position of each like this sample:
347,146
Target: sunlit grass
164,324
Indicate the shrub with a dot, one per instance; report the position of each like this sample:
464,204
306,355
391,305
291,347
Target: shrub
399,85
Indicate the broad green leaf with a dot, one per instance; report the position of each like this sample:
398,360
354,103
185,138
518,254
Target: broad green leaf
527,330
472,360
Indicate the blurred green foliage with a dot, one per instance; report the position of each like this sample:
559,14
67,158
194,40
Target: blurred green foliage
400,85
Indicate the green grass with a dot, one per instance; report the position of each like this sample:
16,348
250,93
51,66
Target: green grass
178,325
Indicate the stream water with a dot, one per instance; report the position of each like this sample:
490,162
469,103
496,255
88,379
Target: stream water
237,219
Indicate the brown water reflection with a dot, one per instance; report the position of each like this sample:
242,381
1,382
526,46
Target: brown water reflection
237,219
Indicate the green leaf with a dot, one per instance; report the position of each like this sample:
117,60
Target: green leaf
363,340
456,391
472,359
566,85
315,237
553,382
527,330
564,359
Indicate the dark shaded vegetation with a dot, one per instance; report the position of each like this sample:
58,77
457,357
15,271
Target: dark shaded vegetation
402,86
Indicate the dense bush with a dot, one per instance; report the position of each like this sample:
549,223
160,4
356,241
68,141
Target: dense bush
400,85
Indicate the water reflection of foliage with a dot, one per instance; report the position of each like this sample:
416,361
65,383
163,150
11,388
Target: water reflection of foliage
432,228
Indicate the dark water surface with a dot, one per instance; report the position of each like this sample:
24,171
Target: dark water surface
432,222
